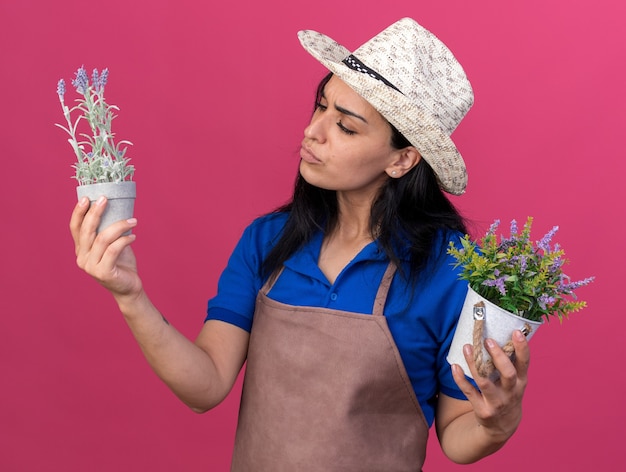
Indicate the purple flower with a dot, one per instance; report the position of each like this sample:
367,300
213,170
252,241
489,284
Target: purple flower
81,82
493,227
545,241
523,264
103,78
556,265
545,301
570,287
94,78
498,283
513,227
61,88
100,79
507,243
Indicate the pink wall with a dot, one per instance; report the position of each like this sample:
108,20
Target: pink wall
215,97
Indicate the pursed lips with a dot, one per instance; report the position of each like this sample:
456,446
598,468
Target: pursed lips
307,155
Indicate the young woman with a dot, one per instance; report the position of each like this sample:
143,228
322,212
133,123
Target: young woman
343,302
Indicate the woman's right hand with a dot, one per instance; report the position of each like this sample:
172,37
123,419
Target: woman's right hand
106,256
202,373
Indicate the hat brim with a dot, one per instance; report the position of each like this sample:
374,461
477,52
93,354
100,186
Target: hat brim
416,124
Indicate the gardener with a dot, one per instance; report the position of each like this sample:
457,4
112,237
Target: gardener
343,302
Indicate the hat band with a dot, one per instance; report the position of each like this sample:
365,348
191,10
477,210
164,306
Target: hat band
353,63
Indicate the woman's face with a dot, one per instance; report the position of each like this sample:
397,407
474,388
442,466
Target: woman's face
347,145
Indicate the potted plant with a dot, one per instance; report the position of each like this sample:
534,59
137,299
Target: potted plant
513,283
102,168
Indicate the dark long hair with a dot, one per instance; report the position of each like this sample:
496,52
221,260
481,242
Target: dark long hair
409,212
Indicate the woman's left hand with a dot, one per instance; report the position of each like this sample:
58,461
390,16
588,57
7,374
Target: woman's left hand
471,430
497,404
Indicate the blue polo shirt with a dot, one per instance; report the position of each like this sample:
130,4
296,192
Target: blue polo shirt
421,317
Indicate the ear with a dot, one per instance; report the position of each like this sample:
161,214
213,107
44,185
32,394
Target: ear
404,160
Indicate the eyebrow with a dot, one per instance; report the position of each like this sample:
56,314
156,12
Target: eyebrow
345,111
349,113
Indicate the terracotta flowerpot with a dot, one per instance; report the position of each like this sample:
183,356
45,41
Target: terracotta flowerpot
120,200
481,319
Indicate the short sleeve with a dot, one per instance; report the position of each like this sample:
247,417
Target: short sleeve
241,280
455,300
447,385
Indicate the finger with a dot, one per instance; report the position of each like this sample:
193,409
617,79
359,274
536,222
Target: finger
78,214
110,237
87,232
522,354
502,362
468,353
93,216
117,271
108,263
465,385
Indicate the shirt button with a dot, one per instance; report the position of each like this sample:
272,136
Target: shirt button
333,296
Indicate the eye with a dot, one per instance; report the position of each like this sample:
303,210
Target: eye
344,129
320,106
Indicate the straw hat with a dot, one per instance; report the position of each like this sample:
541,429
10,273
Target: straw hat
415,82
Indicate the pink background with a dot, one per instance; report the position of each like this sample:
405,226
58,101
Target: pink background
215,97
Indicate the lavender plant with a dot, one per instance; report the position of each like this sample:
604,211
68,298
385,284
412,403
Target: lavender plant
99,158
521,276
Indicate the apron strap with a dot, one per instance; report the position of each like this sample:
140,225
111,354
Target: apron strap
383,290
269,283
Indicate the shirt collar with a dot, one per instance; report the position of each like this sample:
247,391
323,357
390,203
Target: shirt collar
305,260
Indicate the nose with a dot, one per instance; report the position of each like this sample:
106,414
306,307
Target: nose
316,129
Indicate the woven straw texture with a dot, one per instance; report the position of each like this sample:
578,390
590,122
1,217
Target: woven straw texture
434,96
